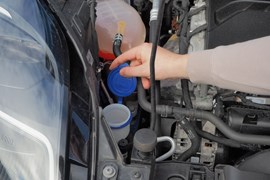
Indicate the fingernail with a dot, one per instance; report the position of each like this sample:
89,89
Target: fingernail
121,72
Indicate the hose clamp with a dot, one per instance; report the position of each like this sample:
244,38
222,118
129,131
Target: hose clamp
118,36
153,15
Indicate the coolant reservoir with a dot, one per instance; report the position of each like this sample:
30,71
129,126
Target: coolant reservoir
116,16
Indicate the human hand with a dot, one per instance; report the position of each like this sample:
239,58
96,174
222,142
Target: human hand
167,64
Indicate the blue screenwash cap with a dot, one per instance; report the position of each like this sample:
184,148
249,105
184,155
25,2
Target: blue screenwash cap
119,85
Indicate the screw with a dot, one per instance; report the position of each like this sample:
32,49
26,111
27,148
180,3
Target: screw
137,175
109,171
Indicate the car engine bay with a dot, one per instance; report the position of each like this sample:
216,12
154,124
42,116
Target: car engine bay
176,130
214,128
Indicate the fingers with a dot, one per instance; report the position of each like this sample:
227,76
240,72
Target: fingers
129,55
135,63
146,83
136,71
139,67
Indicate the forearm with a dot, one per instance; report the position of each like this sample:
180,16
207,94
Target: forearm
243,66
178,67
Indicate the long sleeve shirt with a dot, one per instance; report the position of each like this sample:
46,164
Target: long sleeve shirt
243,66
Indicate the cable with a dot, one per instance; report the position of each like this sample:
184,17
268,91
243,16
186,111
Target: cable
197,30
181,11
156,34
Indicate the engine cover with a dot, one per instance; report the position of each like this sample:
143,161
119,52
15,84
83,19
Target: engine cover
250,121
236,21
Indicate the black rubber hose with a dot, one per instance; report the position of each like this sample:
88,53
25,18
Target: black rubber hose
145,104
225,141
117,44
185,93
221,140
155,33
185,87
192,135
226,130
196,141
155,125
166,110
183,49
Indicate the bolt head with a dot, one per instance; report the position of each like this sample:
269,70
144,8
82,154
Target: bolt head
109,171
137,175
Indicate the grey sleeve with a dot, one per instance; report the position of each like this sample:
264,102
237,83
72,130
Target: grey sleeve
243,66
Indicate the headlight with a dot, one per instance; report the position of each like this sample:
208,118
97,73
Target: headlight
31,100
25,152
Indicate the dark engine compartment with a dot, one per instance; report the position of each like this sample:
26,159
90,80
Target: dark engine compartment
207,24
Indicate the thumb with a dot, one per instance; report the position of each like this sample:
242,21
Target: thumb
136,71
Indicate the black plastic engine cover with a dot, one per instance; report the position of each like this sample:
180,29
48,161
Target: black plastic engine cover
181,171
247,120
236,21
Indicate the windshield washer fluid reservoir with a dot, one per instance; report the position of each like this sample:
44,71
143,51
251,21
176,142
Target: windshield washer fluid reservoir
116,16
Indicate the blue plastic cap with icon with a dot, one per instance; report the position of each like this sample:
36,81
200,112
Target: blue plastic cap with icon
121,86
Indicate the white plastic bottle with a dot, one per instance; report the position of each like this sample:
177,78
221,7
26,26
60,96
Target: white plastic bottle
116,16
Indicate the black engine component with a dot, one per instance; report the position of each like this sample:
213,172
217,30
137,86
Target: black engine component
237,21
247,120
256,163
182,171
252,167
231,173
